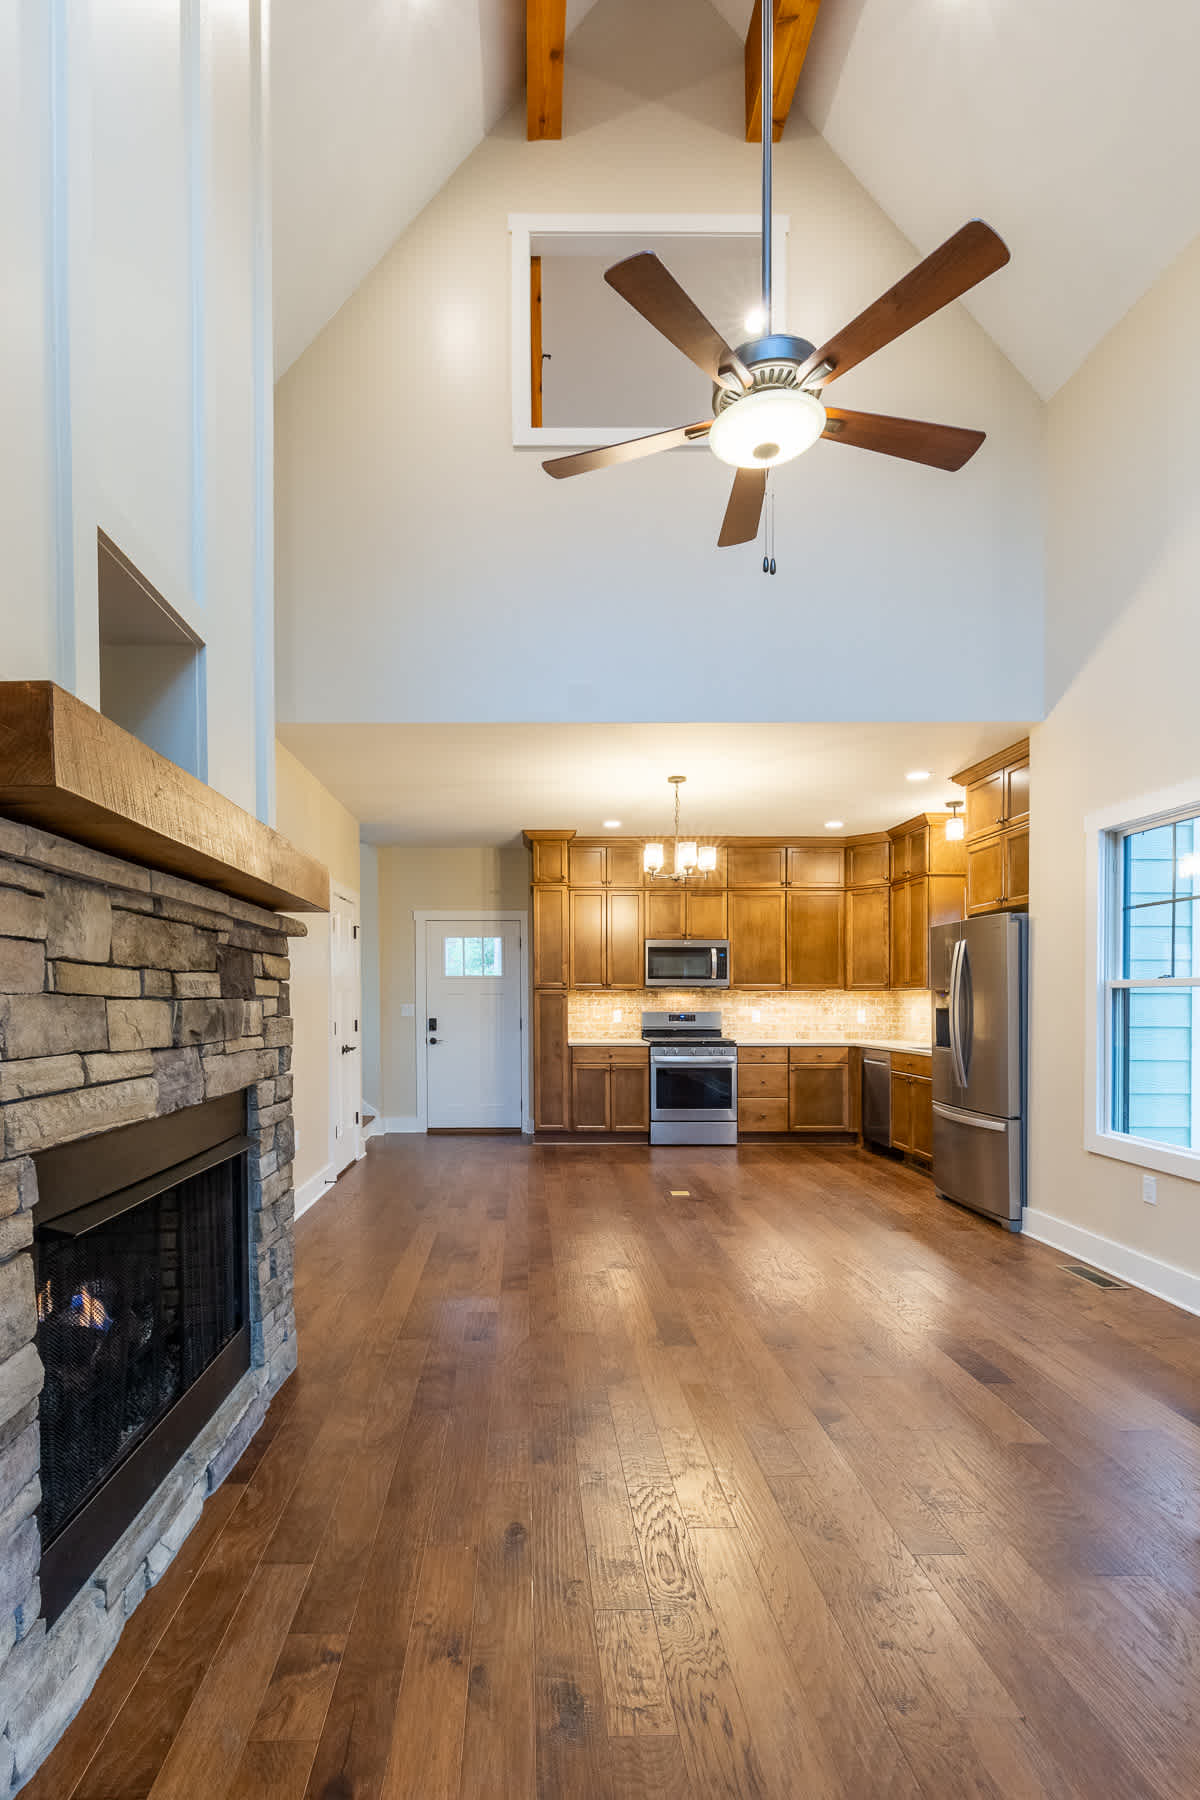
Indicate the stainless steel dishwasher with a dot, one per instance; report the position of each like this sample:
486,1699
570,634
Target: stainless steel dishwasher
877,1100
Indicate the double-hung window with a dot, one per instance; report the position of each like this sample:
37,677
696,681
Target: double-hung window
1149,1039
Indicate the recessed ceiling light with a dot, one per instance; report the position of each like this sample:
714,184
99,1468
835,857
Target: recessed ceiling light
917,775
611,824
834,824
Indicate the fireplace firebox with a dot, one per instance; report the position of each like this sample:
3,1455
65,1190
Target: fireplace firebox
141,1271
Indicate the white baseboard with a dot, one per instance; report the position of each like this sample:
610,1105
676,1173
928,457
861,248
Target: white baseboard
404,1122
310,1192
1161,1279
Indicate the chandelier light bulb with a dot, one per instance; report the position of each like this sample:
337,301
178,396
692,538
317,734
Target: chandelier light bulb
652,858
708,858
686,856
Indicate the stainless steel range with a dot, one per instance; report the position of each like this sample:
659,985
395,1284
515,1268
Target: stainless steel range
693,1079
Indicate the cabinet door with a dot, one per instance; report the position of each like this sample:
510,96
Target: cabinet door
586,865
918,934
819,1097
916,848
902,1111
705,916
1016,867
868,912
624,865
868,865
921,1100
590,1096
985,804
985,875
1016,794
815,939
626,967
549,859
664,913
551,1086
629,1097
550,963
749,867
757,934
900,935
587,938
816,865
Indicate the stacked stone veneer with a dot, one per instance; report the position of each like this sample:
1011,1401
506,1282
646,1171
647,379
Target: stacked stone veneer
124,993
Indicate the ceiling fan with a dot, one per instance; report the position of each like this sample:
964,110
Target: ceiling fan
767,394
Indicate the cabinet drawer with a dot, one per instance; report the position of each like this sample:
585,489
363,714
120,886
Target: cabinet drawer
909,1063
762,1115
762,1081
767,1053
631,1053
818,1056
590,1055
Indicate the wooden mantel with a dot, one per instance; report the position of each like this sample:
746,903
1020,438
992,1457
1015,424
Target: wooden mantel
68,769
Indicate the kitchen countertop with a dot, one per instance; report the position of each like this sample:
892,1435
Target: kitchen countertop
856,1043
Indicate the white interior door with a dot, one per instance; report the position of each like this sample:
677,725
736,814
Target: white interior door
473,1023
345,974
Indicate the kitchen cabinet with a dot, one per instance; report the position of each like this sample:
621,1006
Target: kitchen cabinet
816,938
869,864
604,865
706,914
997,840
610,1089
754,866
819,1090
605,938
551,962
758,937
680,912
868,937
817,865
998,872
912,1105
928,888
551,1078
588,961
762,1090
910,934
625,960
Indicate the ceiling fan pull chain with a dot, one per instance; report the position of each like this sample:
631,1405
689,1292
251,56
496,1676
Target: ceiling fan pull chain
769,533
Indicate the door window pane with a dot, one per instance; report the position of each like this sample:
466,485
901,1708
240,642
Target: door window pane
477,956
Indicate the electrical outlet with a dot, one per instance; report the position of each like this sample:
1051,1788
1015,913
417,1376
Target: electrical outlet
617,1015
1150,1190
755,1015
860,1017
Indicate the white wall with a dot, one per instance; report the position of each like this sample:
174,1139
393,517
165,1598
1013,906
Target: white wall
1123,647
411,880
312,819
427,571
135,355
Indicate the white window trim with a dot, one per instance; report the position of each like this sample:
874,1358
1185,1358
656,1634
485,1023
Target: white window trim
1102,921
664,226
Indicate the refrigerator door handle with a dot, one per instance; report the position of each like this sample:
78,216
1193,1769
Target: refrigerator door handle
956,961
982,1120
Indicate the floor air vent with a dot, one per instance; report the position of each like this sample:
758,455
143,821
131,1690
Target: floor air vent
1092,1275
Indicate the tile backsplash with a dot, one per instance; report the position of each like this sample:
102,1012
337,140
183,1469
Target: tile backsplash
616,1013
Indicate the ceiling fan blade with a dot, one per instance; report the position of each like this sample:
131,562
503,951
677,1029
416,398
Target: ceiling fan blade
941,446
608,454
652,290
946,274
745,508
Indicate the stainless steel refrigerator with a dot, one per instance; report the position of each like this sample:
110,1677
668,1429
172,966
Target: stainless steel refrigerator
979,976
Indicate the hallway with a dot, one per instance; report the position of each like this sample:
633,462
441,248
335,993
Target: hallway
797,1482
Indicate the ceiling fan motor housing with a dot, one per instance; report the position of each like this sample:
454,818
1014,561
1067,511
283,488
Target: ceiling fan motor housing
772,362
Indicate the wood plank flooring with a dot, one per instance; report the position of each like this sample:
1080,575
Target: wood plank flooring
803,1484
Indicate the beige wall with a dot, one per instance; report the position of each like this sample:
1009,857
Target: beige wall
1123,648
309,815
413,878
473,587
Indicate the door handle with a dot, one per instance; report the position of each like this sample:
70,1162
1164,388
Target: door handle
433,1040
347,1049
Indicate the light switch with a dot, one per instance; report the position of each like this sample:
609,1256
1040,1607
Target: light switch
408,1009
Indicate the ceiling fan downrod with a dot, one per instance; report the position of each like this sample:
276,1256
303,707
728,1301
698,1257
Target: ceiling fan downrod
767,133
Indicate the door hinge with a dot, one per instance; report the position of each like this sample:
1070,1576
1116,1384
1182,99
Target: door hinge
356,1119
356,931
356,1024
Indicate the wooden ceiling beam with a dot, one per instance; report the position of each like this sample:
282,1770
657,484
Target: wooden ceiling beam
545,41
794,21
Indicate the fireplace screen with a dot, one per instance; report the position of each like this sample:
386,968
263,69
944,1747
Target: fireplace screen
142,1329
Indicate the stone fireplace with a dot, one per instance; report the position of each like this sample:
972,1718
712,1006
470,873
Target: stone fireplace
145,1242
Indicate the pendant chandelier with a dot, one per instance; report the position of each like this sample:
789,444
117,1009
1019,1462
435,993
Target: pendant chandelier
690,859
955,828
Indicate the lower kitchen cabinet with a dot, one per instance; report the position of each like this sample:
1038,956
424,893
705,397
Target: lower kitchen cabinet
912,1105
819,1095
610,1089
551,1078
762,1090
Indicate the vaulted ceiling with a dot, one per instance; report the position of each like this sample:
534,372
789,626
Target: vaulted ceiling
1072,128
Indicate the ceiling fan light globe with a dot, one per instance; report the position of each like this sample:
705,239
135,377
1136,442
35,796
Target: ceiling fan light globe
766,427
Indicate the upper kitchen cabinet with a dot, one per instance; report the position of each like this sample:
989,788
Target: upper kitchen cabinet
551,966
758,937
816,866
816,938
604,865
549,853
605,938
928,888
869,863
868,937
997,841
685,912
755,866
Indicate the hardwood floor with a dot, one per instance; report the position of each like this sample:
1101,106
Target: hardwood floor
801,1484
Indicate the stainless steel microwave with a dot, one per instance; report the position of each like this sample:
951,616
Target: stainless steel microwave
687,962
